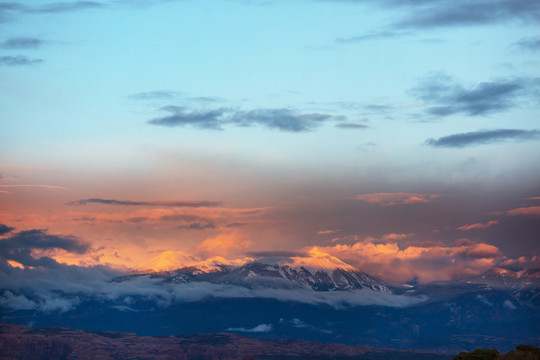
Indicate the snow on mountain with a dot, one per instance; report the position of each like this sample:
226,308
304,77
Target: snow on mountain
174,260
505,278
316,270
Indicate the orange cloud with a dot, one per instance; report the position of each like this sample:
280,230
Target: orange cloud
394,236
478,226
324,232
390,199
531,210
425,263
223,244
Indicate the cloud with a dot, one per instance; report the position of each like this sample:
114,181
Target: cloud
447,13
186,216
20,247
208,119
22,43
528,261
223,244
352,126
394,236
257,329
4,229
61,7
423,261
399,198
531,210
483,137
297,323
18,60
198,226
54,187
478,226
324,232
448,98
146,203
528,44
154,95
374,35
280,119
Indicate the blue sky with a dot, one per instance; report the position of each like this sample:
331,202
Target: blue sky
272,104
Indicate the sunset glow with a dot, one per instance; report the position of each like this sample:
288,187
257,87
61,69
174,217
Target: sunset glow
397,139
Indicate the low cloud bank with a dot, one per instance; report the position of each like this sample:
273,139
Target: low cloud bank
48,290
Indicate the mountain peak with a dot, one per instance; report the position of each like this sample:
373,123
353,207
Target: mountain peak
316,260
174,260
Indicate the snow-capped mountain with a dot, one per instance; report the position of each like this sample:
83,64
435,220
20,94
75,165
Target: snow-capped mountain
504,278
316,270
173,260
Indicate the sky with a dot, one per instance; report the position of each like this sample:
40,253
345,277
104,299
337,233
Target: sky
400,136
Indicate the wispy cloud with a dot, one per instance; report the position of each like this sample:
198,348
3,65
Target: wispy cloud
34,186
446,97
18,60
61,7
528,44
483,137
22,43
256,329
279,119
325,232
146,203
530,210
399,198
478,226
375,35
154,95
352,126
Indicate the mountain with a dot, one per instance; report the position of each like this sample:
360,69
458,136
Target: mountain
505,278
316,270
174,260
313,296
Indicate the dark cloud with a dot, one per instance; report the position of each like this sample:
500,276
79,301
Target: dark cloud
448,97
448,13
22,43
18,247
483,137
146,203
18,60
352,126
210,119
198,226
4,229
280,119
528,44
